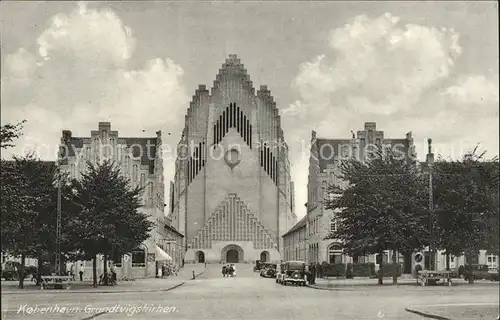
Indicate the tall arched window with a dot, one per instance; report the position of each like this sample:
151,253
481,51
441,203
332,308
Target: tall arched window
73,171
143,180
126,164
135,174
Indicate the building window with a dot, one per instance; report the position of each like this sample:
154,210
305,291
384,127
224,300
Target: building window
333,225
452,259
138,258
492,261
116,257
135,173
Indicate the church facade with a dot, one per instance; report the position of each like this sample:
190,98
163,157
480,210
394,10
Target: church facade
232,194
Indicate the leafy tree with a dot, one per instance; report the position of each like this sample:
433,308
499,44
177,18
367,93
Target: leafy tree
9,132
108,217
29,210
466,199
383,207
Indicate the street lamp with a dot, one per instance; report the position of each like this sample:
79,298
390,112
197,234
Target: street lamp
58,219
430,163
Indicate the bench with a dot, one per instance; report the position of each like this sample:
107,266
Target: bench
56,282
427,277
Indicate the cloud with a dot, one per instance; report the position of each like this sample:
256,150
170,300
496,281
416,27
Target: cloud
81,75
404,78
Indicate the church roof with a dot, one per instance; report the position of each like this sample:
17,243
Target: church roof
299,225
232,68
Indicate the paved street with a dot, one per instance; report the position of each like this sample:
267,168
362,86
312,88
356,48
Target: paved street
249,296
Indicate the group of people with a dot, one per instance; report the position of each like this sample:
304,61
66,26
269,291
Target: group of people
229,270
109,277
314,270
168,270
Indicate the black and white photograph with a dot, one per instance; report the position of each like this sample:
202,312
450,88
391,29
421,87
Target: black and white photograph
170,159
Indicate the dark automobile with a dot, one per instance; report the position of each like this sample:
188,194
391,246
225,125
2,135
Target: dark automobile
258,266
10,270
476,271
269,270
294,272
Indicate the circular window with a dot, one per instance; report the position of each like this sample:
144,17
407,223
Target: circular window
232,158
418,257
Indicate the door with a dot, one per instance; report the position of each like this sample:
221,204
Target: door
232,256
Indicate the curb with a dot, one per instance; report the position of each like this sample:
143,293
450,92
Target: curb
90,291
107,291
426,315
328,289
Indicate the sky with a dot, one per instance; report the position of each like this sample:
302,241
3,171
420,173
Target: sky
426,67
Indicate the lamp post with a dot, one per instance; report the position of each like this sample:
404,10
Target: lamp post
430,163
58,218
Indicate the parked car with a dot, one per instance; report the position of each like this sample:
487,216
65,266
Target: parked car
494,275
269,271
294,272
476,271
10,270
258,266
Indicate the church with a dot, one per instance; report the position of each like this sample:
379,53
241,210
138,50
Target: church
232,196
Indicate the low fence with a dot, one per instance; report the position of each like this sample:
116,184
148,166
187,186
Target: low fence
351,270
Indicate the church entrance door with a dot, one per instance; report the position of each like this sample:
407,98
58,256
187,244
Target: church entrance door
232,256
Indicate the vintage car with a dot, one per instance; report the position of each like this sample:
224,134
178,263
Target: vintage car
269,270
477,272
293,272
258,266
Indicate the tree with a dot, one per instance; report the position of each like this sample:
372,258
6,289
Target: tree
29,210
466,199
383,207
108,217
9,132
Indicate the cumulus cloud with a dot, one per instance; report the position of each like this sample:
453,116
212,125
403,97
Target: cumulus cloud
401,76
81,74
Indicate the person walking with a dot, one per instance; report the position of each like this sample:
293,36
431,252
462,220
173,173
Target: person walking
313,273
72,271
82,269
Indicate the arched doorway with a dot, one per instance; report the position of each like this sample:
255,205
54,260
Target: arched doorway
232,254
264,256
200,257
335,254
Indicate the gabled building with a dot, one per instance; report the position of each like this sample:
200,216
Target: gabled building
140,159
325,156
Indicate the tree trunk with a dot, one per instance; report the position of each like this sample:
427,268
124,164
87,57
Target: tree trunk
105,264
395,274
447,261
21,271
94,271
381,269
39,270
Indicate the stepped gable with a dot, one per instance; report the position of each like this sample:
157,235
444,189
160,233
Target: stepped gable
231,69
230,222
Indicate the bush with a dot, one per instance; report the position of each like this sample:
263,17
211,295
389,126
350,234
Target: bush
364,269
334,270
390,269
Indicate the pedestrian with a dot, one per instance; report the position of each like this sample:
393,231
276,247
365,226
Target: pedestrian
233,270
313,273
308,274
205,264
72,271
224,271
113,274
82,269
320,271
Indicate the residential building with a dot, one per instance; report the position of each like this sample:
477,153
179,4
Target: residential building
324,170
140,160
